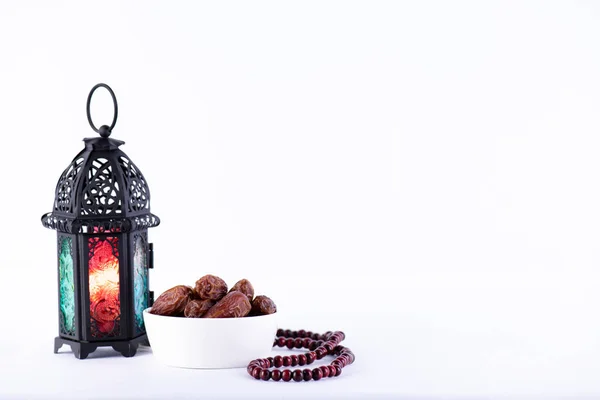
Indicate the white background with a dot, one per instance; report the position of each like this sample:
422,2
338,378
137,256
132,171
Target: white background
422,175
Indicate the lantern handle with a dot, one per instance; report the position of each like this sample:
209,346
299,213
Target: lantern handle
104,130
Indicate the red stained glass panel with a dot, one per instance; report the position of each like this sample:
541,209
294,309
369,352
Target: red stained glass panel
105,304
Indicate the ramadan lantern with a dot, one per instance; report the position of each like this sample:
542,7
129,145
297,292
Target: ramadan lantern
102,214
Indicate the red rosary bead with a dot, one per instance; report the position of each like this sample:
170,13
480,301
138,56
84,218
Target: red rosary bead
331,370
276,375
317,374
302,359
286,375
294,358
277,361
307,374
320,352
297,375
265,374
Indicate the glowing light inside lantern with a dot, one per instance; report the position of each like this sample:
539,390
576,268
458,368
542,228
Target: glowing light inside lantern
105,305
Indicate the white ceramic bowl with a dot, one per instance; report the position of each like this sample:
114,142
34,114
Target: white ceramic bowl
210,342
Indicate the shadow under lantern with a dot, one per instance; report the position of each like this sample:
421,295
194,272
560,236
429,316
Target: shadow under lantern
102,215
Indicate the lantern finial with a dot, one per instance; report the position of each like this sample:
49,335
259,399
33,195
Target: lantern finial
104,130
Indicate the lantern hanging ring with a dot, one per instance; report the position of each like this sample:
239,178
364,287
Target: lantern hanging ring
104,130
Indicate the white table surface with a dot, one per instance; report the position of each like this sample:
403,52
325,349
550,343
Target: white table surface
407,356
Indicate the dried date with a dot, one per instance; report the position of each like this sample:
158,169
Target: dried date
262,305
173,301
233,305
245,287
210,287
197,308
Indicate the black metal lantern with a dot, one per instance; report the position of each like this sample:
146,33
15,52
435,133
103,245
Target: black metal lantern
102,215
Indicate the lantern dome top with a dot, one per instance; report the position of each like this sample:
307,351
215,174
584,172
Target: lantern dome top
101,190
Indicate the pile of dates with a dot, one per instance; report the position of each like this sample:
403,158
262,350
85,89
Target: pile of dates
209,298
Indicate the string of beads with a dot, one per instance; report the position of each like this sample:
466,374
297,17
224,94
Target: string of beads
319,346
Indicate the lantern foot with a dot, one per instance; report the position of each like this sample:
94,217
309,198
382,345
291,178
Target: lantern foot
57,344
127,349
82,350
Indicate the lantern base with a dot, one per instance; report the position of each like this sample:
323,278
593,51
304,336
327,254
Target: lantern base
81,350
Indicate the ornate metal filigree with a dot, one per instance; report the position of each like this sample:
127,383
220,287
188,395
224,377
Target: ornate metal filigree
65,189
138,192
100,191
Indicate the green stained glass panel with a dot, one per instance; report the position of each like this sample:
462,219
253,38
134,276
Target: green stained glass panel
140,281
66,286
